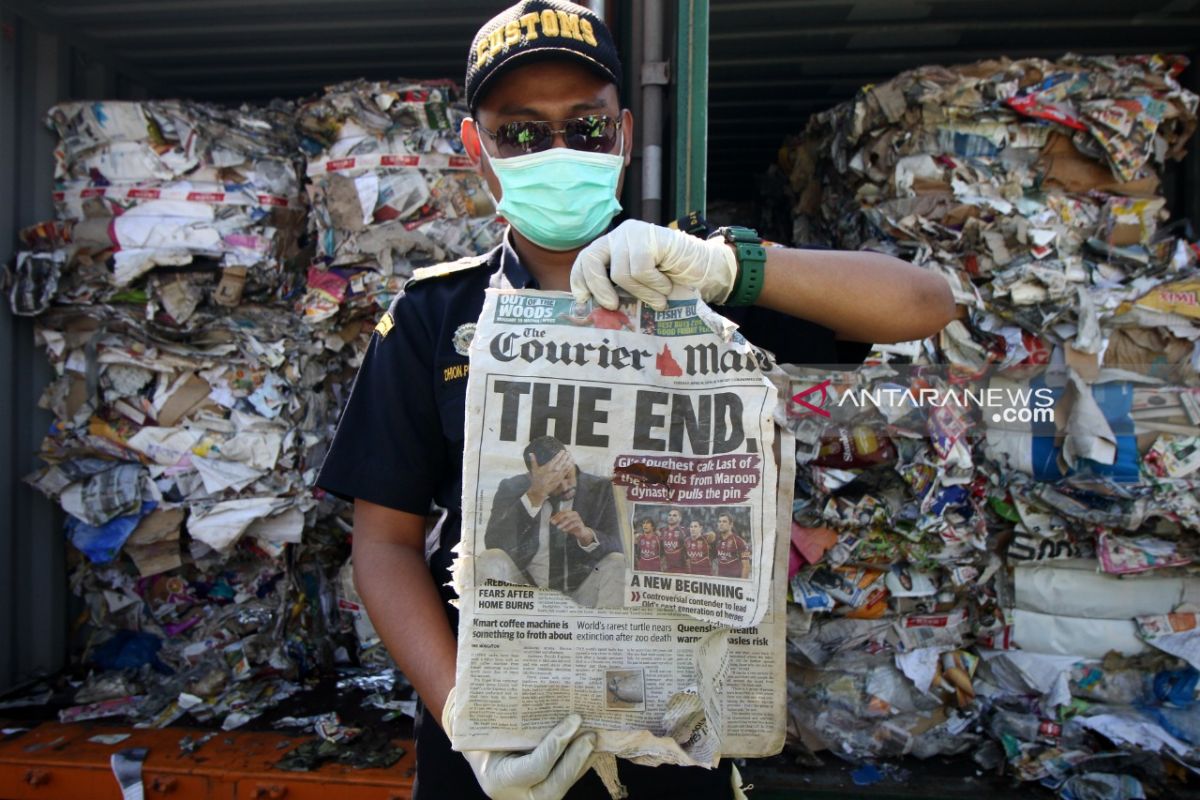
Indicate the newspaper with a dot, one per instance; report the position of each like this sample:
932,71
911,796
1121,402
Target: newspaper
619,555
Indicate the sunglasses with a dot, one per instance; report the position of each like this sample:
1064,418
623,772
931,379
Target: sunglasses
594,134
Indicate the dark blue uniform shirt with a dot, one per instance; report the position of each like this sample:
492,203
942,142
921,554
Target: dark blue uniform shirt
399,443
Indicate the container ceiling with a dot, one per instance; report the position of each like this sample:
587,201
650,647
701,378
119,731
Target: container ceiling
772,62
234,50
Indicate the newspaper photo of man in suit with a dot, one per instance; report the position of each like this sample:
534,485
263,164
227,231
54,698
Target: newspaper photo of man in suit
555,526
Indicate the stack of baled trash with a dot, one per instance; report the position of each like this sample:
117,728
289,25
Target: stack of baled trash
211,196
391,190
998,530
195,392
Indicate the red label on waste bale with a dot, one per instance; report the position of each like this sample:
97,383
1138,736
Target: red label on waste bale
1051,730
416,223
1178,298
143,194
271,200
459,162
98,191
1039,349
1031,105
206,197
399,161
1001,640
339,163
926,622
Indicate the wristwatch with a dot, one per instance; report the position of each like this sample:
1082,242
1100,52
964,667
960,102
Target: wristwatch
751,260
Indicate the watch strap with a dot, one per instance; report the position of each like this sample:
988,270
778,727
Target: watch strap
751,262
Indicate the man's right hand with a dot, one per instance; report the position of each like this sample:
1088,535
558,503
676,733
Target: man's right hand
545,773
571,523
546,479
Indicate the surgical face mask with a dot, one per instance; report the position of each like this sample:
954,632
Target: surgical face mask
559,199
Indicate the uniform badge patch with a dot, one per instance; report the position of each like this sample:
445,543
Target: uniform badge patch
385,325
462,338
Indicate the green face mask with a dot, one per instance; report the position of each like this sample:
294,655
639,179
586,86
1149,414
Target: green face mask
559,199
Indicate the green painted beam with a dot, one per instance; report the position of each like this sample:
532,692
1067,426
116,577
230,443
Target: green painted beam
691,106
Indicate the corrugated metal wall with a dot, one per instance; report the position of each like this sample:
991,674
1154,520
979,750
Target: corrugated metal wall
37,69
253,50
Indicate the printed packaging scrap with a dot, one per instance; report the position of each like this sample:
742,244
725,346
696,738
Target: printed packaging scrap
995,539
621,556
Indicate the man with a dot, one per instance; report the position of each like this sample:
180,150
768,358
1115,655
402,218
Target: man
672,536
733,552
648,547
398,448
535,514
699,549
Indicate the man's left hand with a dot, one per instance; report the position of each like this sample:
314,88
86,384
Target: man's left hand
570,522
648,261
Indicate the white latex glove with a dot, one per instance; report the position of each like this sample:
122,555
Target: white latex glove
647,261
544,773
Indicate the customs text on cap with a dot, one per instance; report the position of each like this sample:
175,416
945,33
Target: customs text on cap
536,29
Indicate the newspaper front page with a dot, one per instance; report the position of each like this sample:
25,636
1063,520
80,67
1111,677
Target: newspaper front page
620,555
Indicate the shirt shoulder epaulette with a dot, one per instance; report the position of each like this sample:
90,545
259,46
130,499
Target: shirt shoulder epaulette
449,268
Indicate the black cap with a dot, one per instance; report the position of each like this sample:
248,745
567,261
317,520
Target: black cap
539,29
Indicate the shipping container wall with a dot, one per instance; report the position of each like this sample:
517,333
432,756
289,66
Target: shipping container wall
38,67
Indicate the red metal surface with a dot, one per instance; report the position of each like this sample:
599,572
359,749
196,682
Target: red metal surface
57,762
